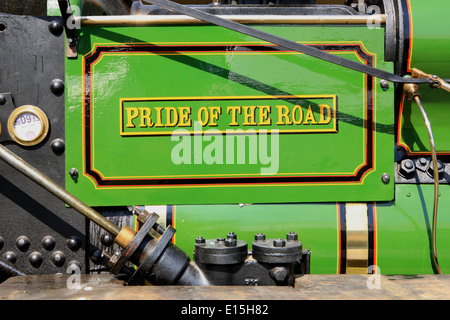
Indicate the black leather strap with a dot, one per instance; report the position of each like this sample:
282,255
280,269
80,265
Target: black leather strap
283,43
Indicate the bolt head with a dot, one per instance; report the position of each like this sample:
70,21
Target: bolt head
231,235
73,173
384,85
440,166
279,243
279,273
407,168
292,236
230,243
260,237
200,240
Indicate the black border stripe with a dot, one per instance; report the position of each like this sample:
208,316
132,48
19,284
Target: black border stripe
343,239
232,180
371,234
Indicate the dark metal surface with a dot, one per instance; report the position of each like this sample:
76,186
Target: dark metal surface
420,170
31,58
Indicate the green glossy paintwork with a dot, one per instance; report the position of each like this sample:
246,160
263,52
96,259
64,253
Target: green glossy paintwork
316,225
430,52
430,36
226,74
403,229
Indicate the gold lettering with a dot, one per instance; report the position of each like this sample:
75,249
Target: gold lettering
264,119
249,115
184,117
234,111
310,116
145,114
158,117
300,114
214,115
283,112
200,113
132,114
169,121
322,116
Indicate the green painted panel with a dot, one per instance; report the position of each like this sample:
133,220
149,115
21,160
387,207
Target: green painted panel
413,132
315,224
430,45
201,114
430,52
404,231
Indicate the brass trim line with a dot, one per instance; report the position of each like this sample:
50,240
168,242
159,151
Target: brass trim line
357,238
247,19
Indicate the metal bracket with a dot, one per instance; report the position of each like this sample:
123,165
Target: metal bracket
69,27
134,244
153,255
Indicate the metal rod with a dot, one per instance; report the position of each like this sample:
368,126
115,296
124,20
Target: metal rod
248,19
44,181
436,182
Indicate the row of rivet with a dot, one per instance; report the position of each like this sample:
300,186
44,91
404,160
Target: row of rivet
48,243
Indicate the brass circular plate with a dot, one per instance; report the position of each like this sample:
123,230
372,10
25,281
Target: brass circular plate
28,125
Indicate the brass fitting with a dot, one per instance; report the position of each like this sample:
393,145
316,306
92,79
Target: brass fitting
125,236
411,90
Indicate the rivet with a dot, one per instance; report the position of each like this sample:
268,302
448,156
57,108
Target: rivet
23,243
106,239
56,27
57,87
58,146
10,256
73,243
48,243
385,178
36,258
73,265
97,256
2,243
58,258
2,99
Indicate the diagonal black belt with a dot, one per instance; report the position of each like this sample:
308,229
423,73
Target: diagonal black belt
283,43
